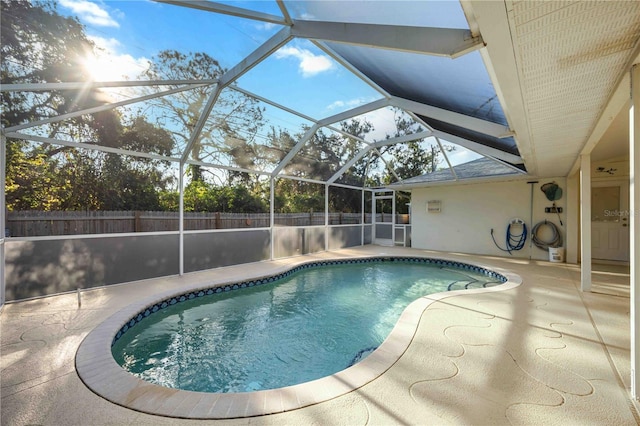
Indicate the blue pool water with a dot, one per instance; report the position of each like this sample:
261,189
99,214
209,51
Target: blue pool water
308,325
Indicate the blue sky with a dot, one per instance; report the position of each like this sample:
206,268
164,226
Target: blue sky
299,76
131,32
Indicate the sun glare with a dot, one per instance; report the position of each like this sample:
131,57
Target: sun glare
103,68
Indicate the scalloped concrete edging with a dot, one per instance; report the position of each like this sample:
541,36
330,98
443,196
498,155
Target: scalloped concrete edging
99,371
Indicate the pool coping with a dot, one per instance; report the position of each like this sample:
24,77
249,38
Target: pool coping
99,371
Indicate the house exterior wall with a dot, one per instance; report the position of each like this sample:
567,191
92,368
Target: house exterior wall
470,211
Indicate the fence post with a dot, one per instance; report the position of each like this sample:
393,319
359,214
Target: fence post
137,221
218,221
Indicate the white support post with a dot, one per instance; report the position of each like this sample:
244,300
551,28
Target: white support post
3,209
634,203
362,218
585,222
181,217
272,207
573,205
373,216
326,217
393,219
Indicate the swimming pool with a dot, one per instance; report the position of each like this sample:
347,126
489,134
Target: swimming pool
97,368
304,325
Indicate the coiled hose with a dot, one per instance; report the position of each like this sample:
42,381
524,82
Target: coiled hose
514,241
556,239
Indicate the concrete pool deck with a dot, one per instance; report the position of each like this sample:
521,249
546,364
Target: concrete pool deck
540,353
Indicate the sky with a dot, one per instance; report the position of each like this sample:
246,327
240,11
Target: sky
299,75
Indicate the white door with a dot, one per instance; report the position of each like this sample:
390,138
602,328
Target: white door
384,214
610,220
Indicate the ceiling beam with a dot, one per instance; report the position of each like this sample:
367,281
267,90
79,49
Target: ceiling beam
272,103
403,139
374,146
278,40
225,9
354,112
100,108
479,148
88,146
295,149
462,120
204,116
447,42
349,164
285,12
85,85
260,54
618,99
491,18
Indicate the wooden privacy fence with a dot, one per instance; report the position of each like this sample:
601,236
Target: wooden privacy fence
39,223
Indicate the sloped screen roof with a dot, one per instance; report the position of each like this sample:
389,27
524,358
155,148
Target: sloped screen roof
315,74
460,85
507,144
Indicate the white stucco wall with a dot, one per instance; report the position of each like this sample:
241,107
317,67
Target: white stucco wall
469,211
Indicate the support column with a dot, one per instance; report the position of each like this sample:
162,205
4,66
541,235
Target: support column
272,206
393,219
585,222
634,203
3,209
573,218
181,217
362,218
373,217
326,217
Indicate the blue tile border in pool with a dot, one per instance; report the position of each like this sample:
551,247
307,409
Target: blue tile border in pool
158,306
99,371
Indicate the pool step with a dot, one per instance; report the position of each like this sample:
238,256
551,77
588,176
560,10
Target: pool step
469,284
362,354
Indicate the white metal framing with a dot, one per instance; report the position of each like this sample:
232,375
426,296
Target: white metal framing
441,42
634,204
385,196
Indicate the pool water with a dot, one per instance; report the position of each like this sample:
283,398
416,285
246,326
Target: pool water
311,324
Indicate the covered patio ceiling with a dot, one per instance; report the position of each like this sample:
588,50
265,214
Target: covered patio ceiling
529,85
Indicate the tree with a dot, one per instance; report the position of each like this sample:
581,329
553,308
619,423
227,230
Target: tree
39,45
407,160
229,133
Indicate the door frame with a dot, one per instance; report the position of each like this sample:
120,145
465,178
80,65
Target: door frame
623,213
383,195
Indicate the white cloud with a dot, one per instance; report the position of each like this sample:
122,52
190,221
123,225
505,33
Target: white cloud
348,104
89,12
310,64
383,123
110,65
265,26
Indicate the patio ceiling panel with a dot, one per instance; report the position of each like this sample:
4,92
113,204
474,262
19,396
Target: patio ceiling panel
439,14
458,91
447,42
461,85
507,145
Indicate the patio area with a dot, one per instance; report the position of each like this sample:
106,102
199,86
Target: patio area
540,353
